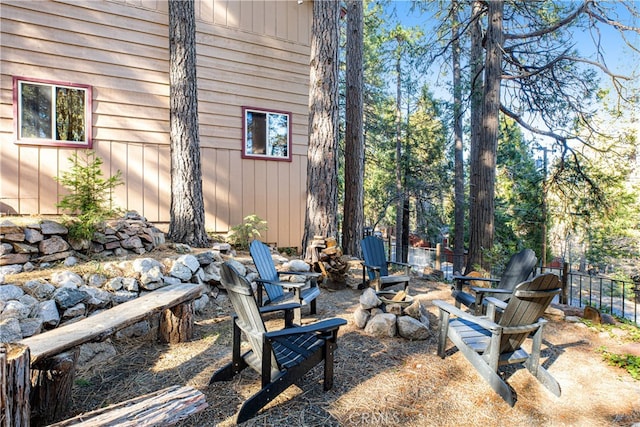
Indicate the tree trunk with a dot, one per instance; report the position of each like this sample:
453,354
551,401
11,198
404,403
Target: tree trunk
322,161
474,257
353,220
405,231
458,239
400,196
187,204
484,209
15,385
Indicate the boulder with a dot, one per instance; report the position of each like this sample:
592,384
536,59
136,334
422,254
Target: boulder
382,325
10,292
48,313
412,329
369,299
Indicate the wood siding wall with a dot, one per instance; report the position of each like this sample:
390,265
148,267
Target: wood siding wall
253,53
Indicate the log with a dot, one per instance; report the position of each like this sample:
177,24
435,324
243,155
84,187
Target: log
176,324
165,407
51,387
15,385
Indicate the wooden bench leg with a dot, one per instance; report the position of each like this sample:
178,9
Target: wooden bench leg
51,387
15,385
176,324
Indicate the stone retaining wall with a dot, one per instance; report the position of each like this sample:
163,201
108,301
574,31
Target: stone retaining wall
42,242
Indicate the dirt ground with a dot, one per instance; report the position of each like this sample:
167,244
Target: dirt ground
382,382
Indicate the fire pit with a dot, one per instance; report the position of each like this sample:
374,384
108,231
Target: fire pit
390,314
391,297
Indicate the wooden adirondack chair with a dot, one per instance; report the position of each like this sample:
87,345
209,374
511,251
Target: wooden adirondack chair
303,293
518,269
377,267
488,344
280,357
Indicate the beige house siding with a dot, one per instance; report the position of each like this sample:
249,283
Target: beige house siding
249,53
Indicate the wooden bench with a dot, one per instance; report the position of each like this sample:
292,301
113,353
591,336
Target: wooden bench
53,354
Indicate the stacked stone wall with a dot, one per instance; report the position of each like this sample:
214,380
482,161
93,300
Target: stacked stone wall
40,243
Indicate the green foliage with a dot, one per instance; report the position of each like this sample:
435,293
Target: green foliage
518,222
241,235
90,196
626,361
632,331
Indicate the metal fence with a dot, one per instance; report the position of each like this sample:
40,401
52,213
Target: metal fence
618,297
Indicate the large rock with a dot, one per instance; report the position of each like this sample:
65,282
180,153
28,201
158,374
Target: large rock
297,265
68,297
67,279
369,299
40,289
30,302
181,271
132,242
382,325
53,245
97,298
13,237
360,317
16,310
30,326
9,292
32,235
52,227
418,311
13,258
412,329
200,304
48,313
151,276
141,265
139,329
95,353
10,330
10,269
23,248
205,258
212,273
8,227
190,261
78,310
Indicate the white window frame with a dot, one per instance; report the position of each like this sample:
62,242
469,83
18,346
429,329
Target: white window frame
18,83
270,138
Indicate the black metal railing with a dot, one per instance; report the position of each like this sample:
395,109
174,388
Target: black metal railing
617,297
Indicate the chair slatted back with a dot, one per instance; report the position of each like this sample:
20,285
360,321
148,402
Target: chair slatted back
244,304
261,255
373,253
526,305
518,270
